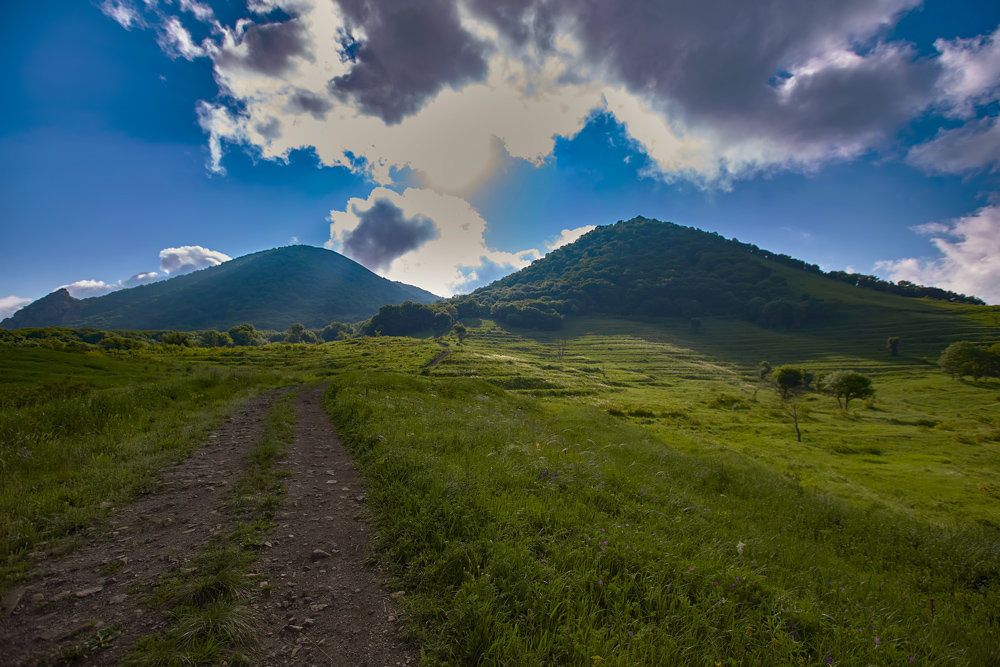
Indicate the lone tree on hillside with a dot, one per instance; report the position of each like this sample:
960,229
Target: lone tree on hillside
790,381
763,371
847,385
460,331
893,345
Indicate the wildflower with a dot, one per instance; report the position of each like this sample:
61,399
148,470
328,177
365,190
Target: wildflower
739,548
538,444
600,582
877,641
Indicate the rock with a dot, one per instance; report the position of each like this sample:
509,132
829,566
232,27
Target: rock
319,554
11,600
398,594
87,592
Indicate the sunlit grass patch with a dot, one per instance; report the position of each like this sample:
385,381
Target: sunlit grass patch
533,531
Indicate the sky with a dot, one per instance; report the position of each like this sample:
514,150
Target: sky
446,143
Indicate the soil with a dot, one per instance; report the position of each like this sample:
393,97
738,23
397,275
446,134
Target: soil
320,600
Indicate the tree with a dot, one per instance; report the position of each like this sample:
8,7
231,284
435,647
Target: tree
763,371
893,345
213,338
788,380
244,335
847,385
297,334
335,331
965,358
176,338
460,331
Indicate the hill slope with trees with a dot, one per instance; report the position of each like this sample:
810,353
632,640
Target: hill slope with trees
649,268
272,289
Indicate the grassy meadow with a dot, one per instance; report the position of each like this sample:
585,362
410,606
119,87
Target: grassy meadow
618,492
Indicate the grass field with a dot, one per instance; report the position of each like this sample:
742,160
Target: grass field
618,492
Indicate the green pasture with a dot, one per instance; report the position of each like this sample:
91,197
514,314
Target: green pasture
618,492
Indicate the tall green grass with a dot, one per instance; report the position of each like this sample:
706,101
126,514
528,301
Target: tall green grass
535,531
81,433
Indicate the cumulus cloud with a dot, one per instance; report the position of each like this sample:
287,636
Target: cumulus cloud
446,263
971,73
82,289
383,233
11,304
404,52
569,236
969,262
972,147
189,258
434,85
141,279
441,87
173,261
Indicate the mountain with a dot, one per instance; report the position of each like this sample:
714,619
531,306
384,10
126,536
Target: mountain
648,268
271,289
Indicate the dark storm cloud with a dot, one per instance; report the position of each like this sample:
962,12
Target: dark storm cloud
384,234
714,62
306,101
270,47
412,49
872,98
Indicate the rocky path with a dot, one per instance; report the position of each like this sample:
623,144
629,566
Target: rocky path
322,603
326,604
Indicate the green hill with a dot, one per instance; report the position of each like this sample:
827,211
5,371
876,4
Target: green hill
271,289
650,269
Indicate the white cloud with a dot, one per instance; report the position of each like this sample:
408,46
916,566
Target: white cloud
974,146
141,279
11,304
173,261
189,258
970,256
82,289
447,263
569,236
709,99
971,72
176,41
124,13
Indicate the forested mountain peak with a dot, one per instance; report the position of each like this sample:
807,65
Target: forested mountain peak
271,289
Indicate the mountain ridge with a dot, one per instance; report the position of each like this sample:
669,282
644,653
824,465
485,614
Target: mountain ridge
271,289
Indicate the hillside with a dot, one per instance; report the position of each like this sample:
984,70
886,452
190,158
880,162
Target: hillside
271,289
648,268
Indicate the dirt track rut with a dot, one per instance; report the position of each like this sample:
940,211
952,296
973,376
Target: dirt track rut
319,600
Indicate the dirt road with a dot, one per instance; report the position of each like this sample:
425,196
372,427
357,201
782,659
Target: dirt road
318,599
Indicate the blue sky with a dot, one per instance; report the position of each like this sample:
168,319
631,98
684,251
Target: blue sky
445,143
